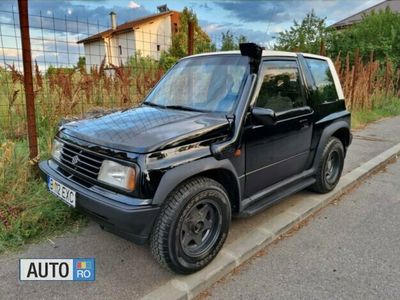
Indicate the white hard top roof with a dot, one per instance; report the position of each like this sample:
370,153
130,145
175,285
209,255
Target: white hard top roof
265,53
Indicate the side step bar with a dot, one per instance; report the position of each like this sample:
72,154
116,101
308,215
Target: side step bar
274,197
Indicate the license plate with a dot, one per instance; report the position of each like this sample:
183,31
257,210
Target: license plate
61,191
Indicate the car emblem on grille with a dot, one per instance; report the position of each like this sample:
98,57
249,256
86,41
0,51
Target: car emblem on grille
75,160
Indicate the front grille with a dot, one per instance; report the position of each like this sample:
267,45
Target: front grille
81,161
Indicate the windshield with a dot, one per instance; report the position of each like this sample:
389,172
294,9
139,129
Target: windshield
209,83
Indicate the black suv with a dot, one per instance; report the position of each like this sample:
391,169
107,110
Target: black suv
222,134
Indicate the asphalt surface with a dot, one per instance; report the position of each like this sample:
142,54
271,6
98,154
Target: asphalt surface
125,270
351,250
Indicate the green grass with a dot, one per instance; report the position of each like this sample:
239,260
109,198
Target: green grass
28,213
384,107
35,215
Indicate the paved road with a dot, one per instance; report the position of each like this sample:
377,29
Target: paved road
349,251
125,270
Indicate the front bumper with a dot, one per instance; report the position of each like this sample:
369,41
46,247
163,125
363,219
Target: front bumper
131,221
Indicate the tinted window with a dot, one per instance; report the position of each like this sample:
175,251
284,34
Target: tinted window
326,90
281,87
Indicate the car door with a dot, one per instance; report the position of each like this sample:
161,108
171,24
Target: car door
276,152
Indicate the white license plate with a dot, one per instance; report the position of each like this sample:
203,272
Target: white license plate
61,191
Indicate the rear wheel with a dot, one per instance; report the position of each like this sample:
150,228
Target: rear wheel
330,167
192,227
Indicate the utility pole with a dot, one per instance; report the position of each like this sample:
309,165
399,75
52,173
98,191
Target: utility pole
190,38
28,81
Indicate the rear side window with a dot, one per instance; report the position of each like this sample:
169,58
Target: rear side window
320,71
281,87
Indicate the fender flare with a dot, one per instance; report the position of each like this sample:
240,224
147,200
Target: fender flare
176,176
325,135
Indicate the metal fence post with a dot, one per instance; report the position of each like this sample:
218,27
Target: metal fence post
28,81
190,38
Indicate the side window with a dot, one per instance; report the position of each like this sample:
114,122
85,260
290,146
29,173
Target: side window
281,87
320,71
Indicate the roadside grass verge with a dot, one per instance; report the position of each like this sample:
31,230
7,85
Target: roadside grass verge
28,212
383,107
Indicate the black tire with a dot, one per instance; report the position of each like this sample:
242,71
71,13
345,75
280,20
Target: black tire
330,167
192,226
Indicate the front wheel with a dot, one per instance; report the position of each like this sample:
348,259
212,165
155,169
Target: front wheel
192,226
330,167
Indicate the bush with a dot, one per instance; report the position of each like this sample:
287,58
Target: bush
377,33
167,61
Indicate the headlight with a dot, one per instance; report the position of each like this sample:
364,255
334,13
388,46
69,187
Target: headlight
56,150
117,175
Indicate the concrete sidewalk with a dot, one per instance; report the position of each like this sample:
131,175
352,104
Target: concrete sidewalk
126,270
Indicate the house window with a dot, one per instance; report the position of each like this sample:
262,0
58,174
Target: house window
158,47
120,49
176,27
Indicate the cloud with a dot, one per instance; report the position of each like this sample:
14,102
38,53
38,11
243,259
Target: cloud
257,11
204,6
196,5
215,31
133,5
213,28
281,12
10,52
84,12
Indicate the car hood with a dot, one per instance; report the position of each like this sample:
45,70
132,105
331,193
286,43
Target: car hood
146,129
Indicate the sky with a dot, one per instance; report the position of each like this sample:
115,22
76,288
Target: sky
259,21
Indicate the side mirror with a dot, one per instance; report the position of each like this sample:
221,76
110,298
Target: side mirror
264,116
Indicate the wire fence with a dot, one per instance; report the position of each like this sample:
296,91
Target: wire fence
83,67
79,66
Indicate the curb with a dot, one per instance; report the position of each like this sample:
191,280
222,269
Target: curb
236,253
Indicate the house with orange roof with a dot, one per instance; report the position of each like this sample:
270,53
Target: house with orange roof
147,36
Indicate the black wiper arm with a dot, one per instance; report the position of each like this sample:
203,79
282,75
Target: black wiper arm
184,108
153,104
181,107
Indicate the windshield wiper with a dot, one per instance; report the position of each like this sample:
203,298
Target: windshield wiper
153,104
181,107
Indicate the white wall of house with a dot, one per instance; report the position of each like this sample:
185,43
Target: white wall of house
94,53
149,39
152,38
122,46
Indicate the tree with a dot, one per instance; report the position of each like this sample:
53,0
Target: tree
179,47
230,42
202,42
242,39
81,63
305,36
51,70
377,33
166,60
